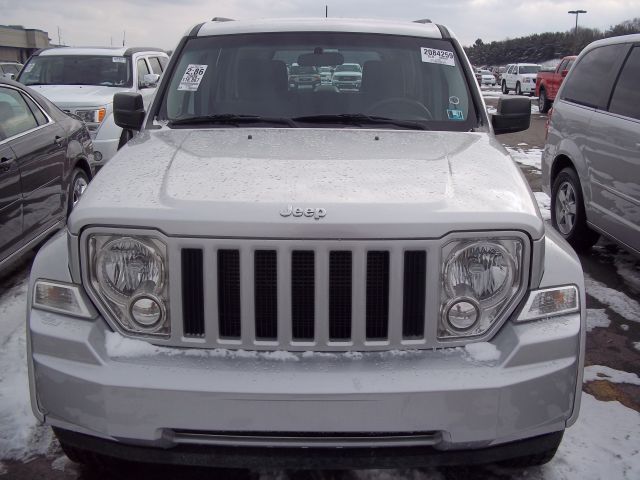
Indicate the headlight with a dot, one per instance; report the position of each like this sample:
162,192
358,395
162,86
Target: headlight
94,116
479,279
130,276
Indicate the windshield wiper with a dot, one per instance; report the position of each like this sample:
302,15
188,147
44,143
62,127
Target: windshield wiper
231,119
360,119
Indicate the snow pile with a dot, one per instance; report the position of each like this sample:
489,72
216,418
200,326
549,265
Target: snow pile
617,301
602,444
531,157
544,204
597,318
482,351
118,346
20,436
628,267
601,372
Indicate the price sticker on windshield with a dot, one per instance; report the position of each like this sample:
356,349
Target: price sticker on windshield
441,57
192,77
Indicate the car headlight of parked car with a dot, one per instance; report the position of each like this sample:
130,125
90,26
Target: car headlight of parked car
479,279
130,276
93,118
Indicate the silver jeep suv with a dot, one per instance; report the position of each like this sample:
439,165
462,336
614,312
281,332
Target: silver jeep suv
275,277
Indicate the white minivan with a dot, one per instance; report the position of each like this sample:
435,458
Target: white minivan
82,81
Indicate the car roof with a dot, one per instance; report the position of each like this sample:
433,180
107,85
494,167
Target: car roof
633,38
427,30
106,51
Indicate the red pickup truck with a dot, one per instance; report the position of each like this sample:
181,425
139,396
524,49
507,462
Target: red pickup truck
548,83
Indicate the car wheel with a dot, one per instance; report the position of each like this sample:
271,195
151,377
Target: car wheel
518,89
568,214
543,103
505,90
77,186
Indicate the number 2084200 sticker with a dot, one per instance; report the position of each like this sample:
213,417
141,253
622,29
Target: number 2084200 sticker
441,57
192,77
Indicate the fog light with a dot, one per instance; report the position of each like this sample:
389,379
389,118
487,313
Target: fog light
147,311
463,314
97,156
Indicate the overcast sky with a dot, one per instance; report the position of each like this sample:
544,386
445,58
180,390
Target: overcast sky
160,23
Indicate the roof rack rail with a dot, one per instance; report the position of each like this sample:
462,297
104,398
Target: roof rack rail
423,20
221,19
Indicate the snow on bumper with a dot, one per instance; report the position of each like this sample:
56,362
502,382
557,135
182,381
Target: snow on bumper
90,380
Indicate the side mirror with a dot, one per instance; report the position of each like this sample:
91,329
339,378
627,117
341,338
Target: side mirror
513,115
564,73
128,110
150,80
10,76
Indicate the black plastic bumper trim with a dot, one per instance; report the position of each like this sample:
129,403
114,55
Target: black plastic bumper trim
308,458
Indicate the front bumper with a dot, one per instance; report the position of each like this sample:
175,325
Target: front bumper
160,397
528,87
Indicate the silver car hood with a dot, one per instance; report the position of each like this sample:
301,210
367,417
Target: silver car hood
72,96
371,184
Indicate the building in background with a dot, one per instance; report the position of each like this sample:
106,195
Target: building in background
18,43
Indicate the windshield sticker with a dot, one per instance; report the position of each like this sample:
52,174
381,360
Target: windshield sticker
29,67
442,57
192,77
119,60
455,114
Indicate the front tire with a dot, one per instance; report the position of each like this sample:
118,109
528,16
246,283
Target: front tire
505,90
77,185
543,102
568,214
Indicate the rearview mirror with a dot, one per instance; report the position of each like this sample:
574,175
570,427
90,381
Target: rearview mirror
128,110
150,80
513,115
324,59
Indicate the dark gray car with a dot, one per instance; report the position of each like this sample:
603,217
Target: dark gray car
45,165
591,162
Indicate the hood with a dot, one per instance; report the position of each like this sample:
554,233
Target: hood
369,183
347,74
72,96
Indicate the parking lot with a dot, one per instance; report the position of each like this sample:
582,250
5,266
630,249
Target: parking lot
603,444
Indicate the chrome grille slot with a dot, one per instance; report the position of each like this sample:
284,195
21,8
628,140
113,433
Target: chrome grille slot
377,295
266,294
340,296
414,292
192,292
303,294
229,293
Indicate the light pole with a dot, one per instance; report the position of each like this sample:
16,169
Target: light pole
576,13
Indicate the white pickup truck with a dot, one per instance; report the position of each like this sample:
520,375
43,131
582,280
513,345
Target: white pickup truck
82,81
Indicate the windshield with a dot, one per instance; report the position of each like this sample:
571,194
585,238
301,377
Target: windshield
406,79
528,69
297,70
112,71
